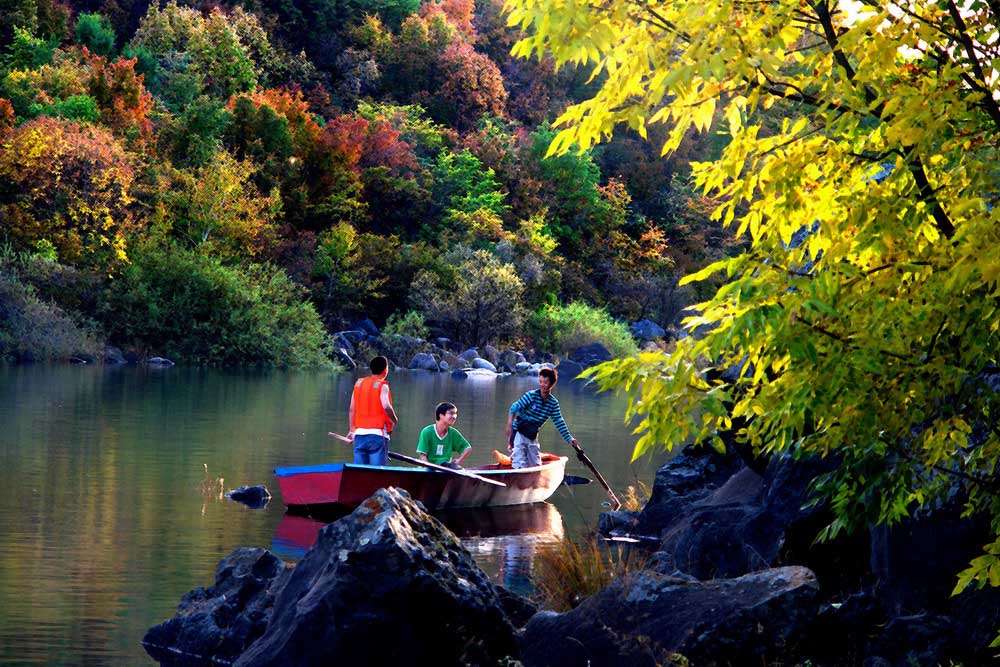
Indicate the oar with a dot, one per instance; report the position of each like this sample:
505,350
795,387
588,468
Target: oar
600,478
575,480
428,464
434,466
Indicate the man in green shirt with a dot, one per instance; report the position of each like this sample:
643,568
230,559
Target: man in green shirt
439,441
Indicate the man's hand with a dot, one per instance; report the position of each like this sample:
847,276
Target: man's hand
350,436
576,444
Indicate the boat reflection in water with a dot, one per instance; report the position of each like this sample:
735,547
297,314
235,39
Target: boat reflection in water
502,540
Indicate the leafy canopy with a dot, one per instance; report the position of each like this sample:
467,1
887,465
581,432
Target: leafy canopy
861,163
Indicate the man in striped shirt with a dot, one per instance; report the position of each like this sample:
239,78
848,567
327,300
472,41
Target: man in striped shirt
526,417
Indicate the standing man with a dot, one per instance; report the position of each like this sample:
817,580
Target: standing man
526,417
371,416
441,440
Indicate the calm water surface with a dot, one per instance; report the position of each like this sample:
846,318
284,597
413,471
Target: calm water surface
107,516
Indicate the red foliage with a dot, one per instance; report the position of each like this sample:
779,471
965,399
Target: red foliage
123,99
344,139
460,14
6,116
302,125
472,85
384,148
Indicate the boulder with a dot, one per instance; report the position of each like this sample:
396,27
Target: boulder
424,362
368,327
590,355
386,585
344,359
459,374
113,356
215,625
523,368
511,358
647,330
444,343
469,355
490,354
340,340
159,361
255,497
443,366
568,369
647,618
483,364
353,336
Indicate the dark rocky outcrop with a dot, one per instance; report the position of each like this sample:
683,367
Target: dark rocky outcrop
647,618
215,625
590,355
386,585
569,370
113,356
424,362
159,361
367,326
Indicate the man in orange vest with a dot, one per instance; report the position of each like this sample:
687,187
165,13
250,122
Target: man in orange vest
371,415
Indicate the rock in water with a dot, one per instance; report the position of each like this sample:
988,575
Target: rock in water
255,497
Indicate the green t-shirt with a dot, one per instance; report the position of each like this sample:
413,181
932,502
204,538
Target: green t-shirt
439,450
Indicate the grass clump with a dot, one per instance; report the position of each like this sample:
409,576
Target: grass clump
573,570
561,329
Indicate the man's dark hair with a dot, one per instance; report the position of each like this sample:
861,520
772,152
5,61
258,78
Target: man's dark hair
378,364
551,374
442,408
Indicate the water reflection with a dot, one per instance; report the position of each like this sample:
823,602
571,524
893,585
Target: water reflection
505,537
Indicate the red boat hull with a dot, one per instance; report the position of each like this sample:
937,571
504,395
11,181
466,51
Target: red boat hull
348,484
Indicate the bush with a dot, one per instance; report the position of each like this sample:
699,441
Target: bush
560,329
35,330
410,323
190,306
95,32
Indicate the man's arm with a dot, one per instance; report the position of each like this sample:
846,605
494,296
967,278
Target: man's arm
350,419
387,408
560,424
467,447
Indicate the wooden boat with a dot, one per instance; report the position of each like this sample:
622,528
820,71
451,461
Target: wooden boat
348,484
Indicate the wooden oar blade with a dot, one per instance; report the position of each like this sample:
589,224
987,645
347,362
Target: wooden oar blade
432,466
575,480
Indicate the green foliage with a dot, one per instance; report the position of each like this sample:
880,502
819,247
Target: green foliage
462,183
75,107
28,52
351,280
561,329
411,323
95,32
33,329
195,308
863,314
480,304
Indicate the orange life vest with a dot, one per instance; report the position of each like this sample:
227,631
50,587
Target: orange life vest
368,412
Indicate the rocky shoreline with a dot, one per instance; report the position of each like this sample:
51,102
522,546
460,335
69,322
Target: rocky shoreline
736,579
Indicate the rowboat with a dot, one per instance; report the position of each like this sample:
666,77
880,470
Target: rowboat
349,484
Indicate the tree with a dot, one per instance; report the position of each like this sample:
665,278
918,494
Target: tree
482,305
95,32
861,164
68,184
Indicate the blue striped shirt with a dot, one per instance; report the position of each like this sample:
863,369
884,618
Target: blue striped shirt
532,408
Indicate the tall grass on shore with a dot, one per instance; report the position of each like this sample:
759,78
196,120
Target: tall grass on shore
573,570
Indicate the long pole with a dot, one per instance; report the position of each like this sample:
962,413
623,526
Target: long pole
428,464
600,478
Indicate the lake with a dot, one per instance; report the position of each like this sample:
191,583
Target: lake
108,516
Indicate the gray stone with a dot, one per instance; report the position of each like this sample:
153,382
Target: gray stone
255,497
424,362
484,365
459,374
647,330
159,361
344,358
523,368
590,355
490,354
443,366
569,369
512,358
469,355
368,327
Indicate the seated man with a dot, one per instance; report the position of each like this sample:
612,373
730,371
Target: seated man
440,441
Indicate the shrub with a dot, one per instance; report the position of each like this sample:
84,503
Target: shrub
410,323
95,32
32,329
193,307
560,329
